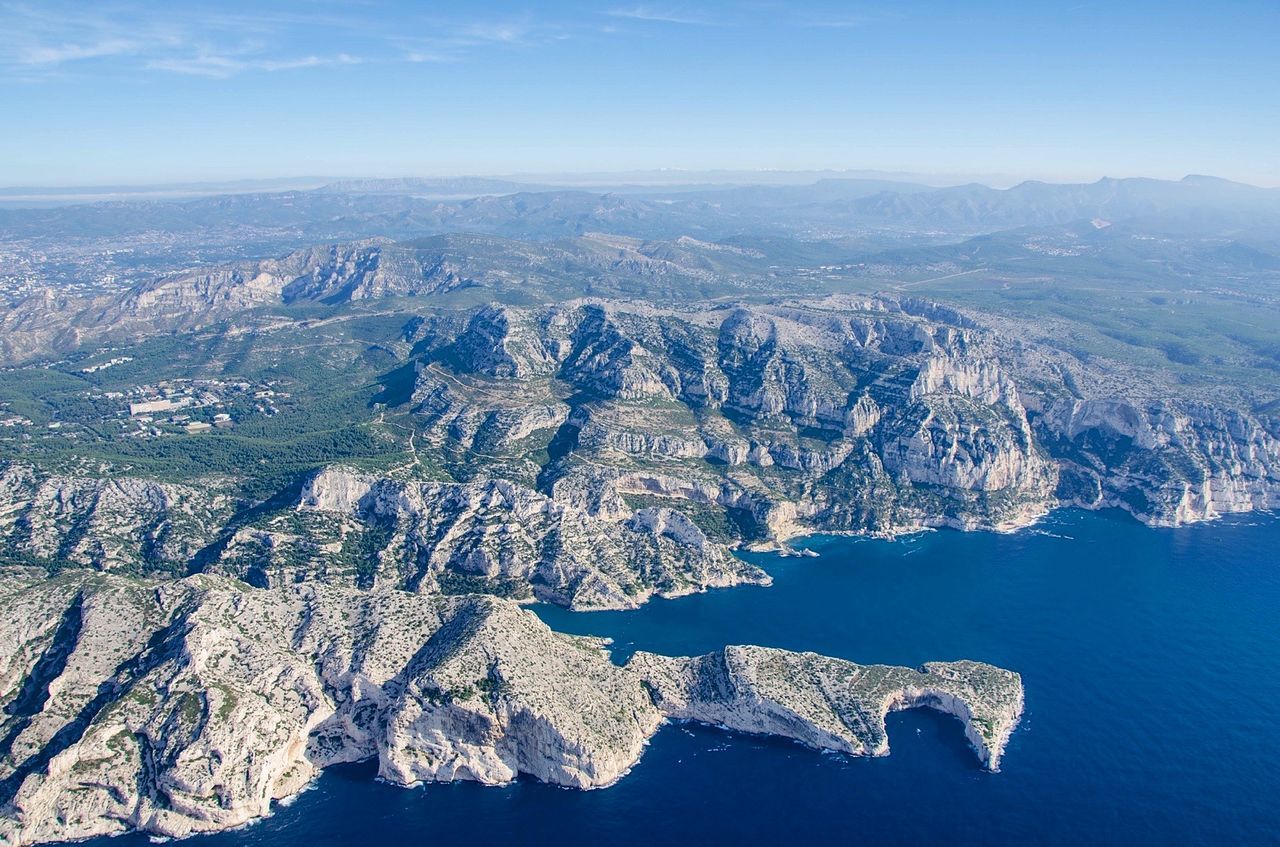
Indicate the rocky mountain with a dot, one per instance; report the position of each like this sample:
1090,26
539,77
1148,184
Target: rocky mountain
845,414
104,521
333,275
190,706
494,537
856,414
1165,462
597,453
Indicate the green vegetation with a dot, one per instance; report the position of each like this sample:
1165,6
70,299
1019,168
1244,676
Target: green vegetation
452,582
1142,314
718,524
319,411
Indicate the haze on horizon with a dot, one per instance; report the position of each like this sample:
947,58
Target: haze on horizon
145,93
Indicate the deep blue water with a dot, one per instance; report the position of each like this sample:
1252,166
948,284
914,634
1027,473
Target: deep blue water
1151,660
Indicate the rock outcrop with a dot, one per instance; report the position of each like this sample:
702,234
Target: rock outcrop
547,431
502,538
123,523
851,414
1167,463
831,704
190,706
490,536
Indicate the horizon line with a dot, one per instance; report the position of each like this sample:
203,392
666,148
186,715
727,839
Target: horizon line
49,191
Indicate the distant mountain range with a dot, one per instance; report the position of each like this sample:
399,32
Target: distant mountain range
496,268
409,208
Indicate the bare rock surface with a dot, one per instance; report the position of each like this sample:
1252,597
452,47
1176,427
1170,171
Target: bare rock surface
831,704
190,706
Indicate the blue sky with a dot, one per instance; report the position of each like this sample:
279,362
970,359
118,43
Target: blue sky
95,93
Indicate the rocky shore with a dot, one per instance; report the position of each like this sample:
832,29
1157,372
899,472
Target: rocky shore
189,706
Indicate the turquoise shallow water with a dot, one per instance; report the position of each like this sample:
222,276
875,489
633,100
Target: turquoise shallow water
1151,660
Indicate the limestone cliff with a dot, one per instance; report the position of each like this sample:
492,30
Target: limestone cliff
1166,462
862,414
489,536
501,538
190,706
831,704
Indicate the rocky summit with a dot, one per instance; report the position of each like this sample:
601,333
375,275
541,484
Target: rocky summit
176,707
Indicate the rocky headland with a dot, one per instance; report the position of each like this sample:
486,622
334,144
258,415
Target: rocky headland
177,707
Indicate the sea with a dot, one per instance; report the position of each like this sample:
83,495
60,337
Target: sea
1150,657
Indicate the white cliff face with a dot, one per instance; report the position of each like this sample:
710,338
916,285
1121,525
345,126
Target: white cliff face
951,444
597,432
189,706
830,704
336,490
513,698
863,416
1168,463
805,404
979,379
814,406
1114,417
497,344
192,299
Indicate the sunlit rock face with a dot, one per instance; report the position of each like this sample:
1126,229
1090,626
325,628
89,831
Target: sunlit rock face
1167,463
831,704
106,523
502,538
539,433
866,414
803,410
189,706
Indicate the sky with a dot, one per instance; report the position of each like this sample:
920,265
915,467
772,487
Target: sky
95,93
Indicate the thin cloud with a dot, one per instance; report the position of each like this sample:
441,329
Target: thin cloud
665,16
54,38
420,57
835,22
46,39
54,55
505,33
222,67
307,62
451,41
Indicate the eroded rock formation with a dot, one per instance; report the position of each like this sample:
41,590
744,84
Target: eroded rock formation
191,705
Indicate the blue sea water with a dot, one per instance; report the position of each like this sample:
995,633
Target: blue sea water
1151,660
